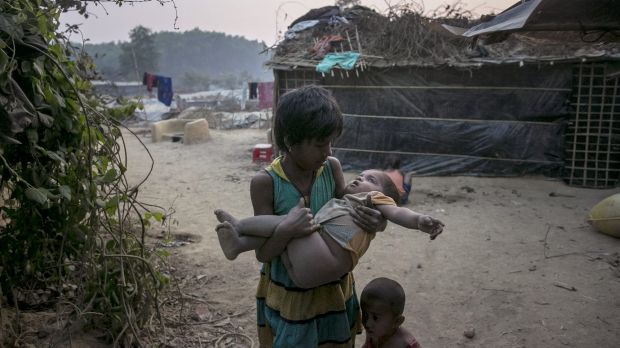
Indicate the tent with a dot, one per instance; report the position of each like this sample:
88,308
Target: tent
507,102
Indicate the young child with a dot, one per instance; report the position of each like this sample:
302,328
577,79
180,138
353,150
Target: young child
383,302
343,241
306,122
400,179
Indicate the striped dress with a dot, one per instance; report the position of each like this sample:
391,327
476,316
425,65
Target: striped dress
289,316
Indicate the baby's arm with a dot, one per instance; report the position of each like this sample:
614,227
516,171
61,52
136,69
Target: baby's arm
410,219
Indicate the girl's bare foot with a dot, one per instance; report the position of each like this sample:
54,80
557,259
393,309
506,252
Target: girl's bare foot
229,239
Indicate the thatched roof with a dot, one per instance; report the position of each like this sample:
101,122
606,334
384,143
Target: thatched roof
406,38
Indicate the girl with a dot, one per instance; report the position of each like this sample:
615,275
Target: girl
307,120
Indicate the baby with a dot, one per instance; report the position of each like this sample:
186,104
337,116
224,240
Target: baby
340,242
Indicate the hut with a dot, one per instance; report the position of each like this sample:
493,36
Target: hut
452,96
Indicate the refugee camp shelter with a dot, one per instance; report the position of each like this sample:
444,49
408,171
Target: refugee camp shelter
508,101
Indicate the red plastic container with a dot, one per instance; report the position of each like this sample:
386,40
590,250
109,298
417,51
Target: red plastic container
262,153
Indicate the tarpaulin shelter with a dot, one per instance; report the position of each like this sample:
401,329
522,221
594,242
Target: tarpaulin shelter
509,102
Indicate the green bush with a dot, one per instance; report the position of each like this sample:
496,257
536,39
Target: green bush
70,224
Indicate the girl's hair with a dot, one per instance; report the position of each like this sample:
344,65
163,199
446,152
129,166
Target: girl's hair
389,189
309,112
386,291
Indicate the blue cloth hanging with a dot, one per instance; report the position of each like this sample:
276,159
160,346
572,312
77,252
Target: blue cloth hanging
164,89
345,60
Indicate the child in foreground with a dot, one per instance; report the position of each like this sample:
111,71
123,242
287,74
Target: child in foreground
306,122
342,242
383,302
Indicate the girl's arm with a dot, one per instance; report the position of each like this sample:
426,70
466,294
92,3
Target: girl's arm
410,219
338,176
261,193
295,224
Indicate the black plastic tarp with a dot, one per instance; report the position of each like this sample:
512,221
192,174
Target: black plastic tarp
443,147
532,15
507,92
496,120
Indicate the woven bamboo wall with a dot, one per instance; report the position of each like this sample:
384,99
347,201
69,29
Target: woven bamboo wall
593,134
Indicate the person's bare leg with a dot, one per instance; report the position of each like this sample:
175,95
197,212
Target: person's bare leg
239,235
257,226
232,243
329,261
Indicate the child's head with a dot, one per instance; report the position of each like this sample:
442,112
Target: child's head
306,113
382,302
373,180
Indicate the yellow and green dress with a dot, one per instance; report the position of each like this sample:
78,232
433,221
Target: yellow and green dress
289,316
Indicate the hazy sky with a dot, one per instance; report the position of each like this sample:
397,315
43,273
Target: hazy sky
253,19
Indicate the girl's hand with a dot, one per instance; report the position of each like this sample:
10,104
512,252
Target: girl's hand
430,225
369,219
298,222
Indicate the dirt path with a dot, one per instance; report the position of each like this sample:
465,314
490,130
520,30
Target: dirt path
504,266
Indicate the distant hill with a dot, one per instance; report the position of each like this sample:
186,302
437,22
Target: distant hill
194,59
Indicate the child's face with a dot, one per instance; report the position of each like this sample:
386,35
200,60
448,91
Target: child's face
310,154
368,180
379,321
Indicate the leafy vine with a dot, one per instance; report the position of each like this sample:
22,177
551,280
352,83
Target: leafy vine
71,226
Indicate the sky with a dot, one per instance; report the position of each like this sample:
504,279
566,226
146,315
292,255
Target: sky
262,20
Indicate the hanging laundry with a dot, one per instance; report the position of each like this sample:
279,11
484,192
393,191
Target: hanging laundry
265,95
253,88
150,81
345,60
164,89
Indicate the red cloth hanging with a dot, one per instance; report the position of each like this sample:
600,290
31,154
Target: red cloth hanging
265,95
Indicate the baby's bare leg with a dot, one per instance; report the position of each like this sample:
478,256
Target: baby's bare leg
315,260
232,243
257,226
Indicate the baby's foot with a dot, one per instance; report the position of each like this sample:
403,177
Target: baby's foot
224,216
229,239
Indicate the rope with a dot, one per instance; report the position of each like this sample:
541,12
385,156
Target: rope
443,155
448,119
504,88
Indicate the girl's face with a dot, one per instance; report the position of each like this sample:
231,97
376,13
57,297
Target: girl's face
310,154
379,321
368,180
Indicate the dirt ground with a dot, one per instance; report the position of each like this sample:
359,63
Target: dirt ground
517,262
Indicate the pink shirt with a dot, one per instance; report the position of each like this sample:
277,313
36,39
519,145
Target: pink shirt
397,179
411,344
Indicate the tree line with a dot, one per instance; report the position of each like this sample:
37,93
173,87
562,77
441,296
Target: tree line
194,59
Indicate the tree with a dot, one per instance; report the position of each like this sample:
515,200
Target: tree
139,55
195,81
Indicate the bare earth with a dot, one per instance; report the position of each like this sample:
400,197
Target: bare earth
517,262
